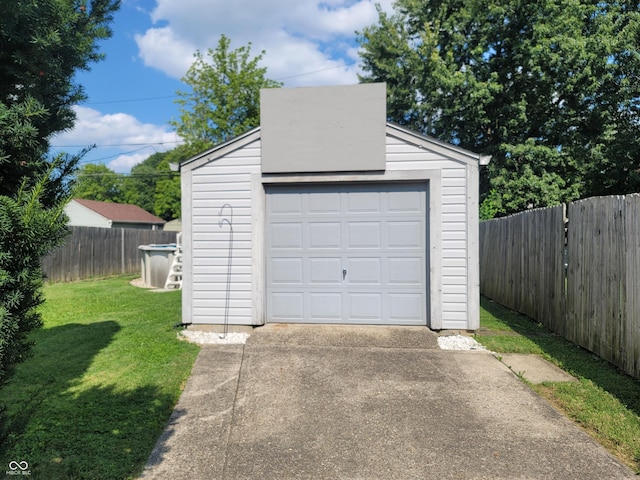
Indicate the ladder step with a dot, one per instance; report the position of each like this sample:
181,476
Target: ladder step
174,278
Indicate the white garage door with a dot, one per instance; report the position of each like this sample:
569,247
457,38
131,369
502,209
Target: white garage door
348,253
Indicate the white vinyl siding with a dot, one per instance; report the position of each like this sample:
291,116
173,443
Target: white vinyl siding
231,174
454,231
227,180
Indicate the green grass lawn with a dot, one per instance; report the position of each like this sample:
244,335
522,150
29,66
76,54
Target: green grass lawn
605,401
106,372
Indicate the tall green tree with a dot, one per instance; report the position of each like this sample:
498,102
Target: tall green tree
153,186
224,100
99,182
139,186
43,43
167,203
550,89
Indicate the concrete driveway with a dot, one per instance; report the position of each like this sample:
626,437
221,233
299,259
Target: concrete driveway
331,402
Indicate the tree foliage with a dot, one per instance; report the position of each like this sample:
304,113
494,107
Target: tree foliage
224,100
99,182
550,89
168,195
28,231
139,188
43,43
151,185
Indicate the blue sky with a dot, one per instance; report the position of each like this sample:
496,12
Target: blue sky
131,93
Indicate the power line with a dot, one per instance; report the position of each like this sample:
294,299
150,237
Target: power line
130,100
130,175
115,155
164,97
317,71
119,145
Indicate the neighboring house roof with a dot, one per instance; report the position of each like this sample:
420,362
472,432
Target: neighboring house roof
120,212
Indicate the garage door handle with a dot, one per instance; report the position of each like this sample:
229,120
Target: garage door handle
344,273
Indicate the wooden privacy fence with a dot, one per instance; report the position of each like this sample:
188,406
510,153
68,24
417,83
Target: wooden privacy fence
575,269
100,252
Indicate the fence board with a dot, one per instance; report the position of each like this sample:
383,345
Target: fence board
515,254
100,252
630,343
595,303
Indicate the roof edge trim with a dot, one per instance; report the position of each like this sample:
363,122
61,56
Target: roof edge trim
239,139
450,150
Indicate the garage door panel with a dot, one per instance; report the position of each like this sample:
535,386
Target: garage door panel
363,271
365,306
406,235
363,202
406,271
287,271
347,253
287,306
405,202
407,308
325,271
325,306
364,235
324,235
324,203
286,204
286,235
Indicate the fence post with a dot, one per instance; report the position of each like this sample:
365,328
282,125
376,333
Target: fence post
122,263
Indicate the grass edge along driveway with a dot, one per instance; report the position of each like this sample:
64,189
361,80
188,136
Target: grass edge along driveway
106,371
605,401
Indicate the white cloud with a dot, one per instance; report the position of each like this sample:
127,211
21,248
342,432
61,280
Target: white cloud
121,139
93,126
162,49
124,163
308,42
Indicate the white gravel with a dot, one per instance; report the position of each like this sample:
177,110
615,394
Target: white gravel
448,342
458,342
212,337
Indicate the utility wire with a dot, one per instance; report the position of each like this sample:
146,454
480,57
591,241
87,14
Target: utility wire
119,144
147,99
130,100
130,175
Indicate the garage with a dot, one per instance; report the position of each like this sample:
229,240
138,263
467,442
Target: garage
328,213
351,253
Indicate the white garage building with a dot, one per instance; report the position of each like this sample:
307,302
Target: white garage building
326,213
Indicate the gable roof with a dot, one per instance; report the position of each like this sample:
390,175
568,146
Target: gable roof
423,141
120,212
447,149
220,149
